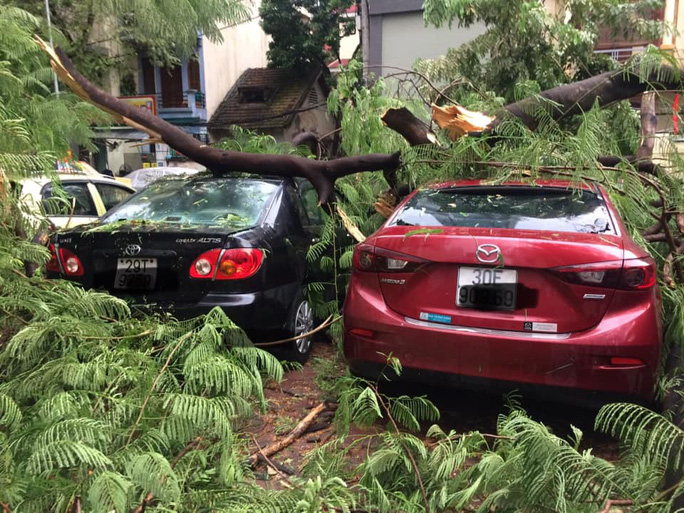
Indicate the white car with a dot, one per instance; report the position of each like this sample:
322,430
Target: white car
88,197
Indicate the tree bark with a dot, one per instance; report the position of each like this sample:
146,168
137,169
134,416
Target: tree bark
322,174
298,431
577,97
649,123
414,130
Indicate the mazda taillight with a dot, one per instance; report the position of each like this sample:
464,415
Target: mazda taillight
227,264
633,274
371,259
52,265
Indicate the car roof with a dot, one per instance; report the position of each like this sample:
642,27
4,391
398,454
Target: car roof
564,184
259,178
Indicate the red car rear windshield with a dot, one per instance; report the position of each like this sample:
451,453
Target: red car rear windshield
514,207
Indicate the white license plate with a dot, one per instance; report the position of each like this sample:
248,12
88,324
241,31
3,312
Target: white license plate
135,273
487,288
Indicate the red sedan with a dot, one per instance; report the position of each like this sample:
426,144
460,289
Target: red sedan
535,283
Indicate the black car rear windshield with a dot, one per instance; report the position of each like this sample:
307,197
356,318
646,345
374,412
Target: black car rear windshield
515,207
219,202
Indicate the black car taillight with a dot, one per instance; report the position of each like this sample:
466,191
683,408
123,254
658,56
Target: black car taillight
227,264
633,274
52,265
371,259
71,264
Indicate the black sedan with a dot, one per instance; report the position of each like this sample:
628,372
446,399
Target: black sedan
187,246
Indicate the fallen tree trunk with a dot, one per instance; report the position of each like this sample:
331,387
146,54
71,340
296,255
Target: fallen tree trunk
578,97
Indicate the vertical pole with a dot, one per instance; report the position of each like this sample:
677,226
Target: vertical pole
365,37
52,45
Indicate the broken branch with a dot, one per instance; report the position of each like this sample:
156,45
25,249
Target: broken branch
298,431
618,502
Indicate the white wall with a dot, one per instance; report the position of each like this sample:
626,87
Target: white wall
244,46
405,38
348,44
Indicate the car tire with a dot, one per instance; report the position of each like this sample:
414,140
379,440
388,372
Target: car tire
301,320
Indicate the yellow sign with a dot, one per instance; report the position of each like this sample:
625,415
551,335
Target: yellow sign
142,102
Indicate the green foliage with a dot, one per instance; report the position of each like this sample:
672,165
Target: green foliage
103,35
525,46
247,141
305,32
106,406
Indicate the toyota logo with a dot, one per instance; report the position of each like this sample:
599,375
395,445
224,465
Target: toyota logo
132,250
488,253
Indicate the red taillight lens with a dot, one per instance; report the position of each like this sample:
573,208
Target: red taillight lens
363,258
626,362
52,264
601,274
634,274
638,274
237,264
72,264
370,258
227,264
204,265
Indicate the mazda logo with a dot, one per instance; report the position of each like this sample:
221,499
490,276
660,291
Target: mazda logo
488,253
132,250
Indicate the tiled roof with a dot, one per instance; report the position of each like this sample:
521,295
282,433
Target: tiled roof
286,91
336,64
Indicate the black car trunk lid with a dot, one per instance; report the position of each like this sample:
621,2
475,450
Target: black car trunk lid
144,261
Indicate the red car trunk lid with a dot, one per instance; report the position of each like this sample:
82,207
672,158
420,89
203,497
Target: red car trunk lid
543,298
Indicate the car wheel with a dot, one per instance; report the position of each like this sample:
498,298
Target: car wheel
301,321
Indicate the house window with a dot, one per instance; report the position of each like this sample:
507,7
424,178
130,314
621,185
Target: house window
194,74
172,87
255,94
148,85
313,97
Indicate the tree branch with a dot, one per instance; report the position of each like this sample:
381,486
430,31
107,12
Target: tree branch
577,97
321,174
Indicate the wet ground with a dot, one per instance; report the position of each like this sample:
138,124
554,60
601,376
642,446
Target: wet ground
461,410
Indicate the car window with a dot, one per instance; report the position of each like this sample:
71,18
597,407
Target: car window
310,200
297,208
515,207
218,202
77,202
111,195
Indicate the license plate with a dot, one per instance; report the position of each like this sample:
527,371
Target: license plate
135,273
487,288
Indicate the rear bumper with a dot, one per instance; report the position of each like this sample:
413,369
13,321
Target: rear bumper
254,312
567,361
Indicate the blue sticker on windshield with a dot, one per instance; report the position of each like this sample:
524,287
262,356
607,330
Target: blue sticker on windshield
444,319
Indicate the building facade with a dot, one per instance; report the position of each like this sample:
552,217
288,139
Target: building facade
185,95
397,36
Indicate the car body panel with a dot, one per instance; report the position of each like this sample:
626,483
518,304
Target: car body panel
258,304
559,334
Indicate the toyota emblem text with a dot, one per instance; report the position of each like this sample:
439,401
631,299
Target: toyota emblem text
488,253
132,249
